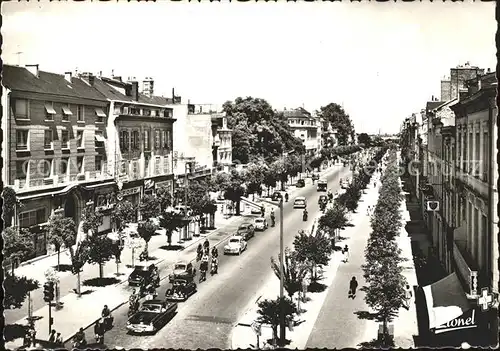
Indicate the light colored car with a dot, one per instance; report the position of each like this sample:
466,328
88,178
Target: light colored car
235,245
300,202
260,224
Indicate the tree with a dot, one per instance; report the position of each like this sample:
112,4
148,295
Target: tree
123,214
16,289
294,271
293,165
270,312
315,249
9,205
79,256
170,221
149,207
269,179
235,190
279,168
18,245
254,174
349,200
334,219
365,139
210,208
61,231
100,250
146,230
164,198
91,219
335,114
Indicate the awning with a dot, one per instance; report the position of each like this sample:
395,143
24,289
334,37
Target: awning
49,193
99,112
446,300
50,109
93,186
67,111
100,138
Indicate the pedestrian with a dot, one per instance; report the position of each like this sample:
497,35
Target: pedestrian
408,296
353,285
52,337
345,252
99,331
59,339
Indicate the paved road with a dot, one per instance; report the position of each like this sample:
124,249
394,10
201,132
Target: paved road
207,318
337,325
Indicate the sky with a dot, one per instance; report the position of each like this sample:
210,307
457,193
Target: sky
381,61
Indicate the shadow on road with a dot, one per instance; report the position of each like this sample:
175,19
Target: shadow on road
100,281
63,268
376,344
14,331
366,315
316,287
172,247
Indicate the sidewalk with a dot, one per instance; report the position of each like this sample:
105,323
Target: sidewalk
243,335
93,298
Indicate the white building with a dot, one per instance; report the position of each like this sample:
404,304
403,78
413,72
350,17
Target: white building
305,127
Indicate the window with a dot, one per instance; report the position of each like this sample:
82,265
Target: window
64,139
157,139
79,139
135,168
66,112
79,113
63,165
31,218
157,165
21,140
98,163
135,140
124,140
100,115
135,111
471,144
123,167
21,169
47,167
49,111
79,164
485,162
99,138
166,165
459,148
146,140
477,156
21,109
47,144
146,112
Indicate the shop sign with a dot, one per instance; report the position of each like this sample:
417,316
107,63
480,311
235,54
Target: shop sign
131,191
465,321
148,184
164,184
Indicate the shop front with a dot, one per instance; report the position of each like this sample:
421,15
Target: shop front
149,187
104,197
167,184
131,192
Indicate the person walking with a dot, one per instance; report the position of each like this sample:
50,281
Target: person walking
353,285
52,337
408,296
59,339
345,252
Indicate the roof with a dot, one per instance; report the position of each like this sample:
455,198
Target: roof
431,105
298,112
18,78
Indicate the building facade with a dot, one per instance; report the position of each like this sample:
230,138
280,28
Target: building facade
305,127
54,126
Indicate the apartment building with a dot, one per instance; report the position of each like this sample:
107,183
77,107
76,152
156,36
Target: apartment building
139,141
53,129
305,127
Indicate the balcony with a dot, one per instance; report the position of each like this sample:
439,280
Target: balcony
466,268
303,124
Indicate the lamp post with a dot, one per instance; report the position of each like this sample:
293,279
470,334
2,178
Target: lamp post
282,276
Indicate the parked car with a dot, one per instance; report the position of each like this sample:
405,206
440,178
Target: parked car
235,245
182,270
246,230
260,224
322,185
277,196
181,289
138,275
300,202
300,183
151,317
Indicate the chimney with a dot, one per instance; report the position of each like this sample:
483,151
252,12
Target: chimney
33,70
488,70
432,98
67,76
118,78
88,77
134,93
99,74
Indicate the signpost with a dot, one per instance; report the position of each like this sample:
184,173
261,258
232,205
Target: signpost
257,329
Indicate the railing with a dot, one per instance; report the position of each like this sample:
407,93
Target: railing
468,275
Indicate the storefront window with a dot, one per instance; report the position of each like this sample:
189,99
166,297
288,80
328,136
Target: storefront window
31,218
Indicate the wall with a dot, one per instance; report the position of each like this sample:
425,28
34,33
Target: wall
445,90
458,76
199,138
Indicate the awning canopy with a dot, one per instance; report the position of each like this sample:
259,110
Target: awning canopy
67,111
99,112
50,109
100,138
446,300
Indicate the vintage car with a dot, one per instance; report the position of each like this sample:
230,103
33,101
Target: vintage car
138,275
322,199
300,202
322,185
151,317
260,224
181,289
182,270
315,176
235,245
246,230
277,196
300,183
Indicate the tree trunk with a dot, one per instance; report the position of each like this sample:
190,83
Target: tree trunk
238,207
59,259
101,270
169,239
78,285
146,246
275,334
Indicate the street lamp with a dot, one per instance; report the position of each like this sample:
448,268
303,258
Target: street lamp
282,276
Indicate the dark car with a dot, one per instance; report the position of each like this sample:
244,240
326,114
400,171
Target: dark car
181,289
300,183
246,230
138,275
315,176
151,317
322,199
182,270
277,196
